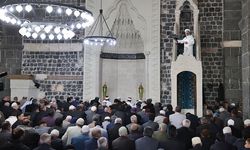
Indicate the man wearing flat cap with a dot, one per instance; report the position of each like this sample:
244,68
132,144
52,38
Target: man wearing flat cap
188,42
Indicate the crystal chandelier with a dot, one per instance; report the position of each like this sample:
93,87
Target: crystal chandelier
97,38
45,20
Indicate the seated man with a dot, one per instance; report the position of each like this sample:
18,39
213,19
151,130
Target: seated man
188,42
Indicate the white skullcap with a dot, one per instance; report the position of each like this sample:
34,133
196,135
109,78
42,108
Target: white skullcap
71,107
85,129
221,109
196,140
187,30
247,122
80,122
93,108
230,122
54,132
107,118
233,104
227,130
162,112
68,118
14,105
123,131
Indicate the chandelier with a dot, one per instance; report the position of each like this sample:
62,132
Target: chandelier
45,20
98,38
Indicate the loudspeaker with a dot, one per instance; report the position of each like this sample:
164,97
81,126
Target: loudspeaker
1,86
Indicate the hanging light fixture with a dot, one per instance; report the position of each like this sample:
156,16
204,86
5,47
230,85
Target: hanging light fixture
45,20
98,38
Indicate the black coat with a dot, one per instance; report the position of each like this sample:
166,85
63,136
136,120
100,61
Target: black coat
185,135
113,133
172,144
123,143
221,146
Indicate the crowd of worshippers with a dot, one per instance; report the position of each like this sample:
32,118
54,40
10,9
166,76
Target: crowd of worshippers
31,124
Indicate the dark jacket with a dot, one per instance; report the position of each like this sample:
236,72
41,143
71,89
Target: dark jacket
91,144
14,145
221,146
172,144
123,143
113,133
146,143
57,144
185,135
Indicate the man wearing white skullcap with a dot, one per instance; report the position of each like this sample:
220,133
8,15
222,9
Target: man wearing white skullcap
229,138
188,42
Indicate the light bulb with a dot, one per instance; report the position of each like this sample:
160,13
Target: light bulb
28,8
48,28
42,36
72,26
68,11
77,13
59,36
18,22
59,10
37,29
57,30
51,37
7,19
71,34
28,34
22,31
19,8
64,31
13,21
86,41
11,9
83,15
78,26
49,9
34,35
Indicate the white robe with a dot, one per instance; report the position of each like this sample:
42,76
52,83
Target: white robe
188,45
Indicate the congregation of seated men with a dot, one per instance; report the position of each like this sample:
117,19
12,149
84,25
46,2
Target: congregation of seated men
42,124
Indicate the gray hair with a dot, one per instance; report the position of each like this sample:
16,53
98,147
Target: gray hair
186,123
45,138
118,120
123,131
102,142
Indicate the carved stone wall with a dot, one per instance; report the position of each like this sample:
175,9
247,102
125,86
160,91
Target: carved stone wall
148,24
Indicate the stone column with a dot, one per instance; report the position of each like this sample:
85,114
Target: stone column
245,56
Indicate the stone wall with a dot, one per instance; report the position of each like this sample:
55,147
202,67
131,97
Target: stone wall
211,28
245,56
232,52
64,71
167,27
10,55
